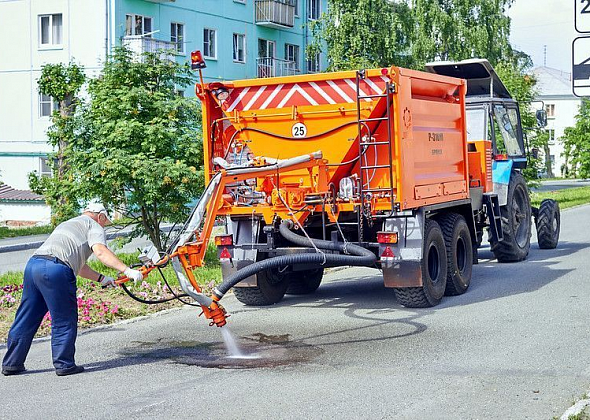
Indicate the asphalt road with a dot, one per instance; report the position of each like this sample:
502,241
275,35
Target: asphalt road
515,346
562,184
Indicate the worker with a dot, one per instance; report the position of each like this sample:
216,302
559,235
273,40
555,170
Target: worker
50,284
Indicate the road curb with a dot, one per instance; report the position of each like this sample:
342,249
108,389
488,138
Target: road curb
576,409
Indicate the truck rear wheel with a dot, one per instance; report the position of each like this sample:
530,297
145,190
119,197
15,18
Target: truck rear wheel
434,271
459,253
304,282
516,223
548,223
270,289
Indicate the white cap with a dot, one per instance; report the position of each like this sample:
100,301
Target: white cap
96,207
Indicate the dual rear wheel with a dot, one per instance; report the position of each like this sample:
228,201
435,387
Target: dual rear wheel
446,262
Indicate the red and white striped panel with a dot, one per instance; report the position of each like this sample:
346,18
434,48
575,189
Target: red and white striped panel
321,92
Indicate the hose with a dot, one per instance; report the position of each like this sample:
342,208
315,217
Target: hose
359,256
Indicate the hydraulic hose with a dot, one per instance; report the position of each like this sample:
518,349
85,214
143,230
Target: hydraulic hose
359,256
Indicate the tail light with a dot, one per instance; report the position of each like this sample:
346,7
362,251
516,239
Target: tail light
387,237
224,240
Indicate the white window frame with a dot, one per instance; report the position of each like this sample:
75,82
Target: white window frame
235,40
550,110
143,30
46,99
205,52
292,57
44,161
310,3
318,62
174,38
51,44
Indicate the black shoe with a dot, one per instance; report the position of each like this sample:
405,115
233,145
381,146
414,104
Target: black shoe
7,371
69,371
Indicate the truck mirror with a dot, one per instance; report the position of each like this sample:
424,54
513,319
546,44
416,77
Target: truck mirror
541,115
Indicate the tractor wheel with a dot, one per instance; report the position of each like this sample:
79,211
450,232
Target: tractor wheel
459,253
270,289
304,282
548,222
434,271
516,223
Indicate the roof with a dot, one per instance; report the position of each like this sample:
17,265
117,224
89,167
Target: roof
553,82
7,193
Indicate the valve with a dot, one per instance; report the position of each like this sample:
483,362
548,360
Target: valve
216,313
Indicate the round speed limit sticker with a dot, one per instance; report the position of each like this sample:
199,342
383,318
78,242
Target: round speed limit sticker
299,130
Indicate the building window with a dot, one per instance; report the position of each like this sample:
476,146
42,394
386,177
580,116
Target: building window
180,93
50,30
138,25
551,133
47,105
209,43
240,1
550,108
313,64
296,4
313,9
239,48
44,168
292,54
177,36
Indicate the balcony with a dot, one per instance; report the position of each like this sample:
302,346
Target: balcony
139,44
278,14
275,67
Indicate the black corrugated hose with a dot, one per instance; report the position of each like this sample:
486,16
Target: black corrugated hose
355,256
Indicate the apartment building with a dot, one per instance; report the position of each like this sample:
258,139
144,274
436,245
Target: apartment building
239,39
555,95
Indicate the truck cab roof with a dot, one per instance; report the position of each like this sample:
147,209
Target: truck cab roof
482,79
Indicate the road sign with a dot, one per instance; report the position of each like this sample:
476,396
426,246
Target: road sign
582,16
581,66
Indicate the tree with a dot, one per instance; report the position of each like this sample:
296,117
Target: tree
62,83
139,149
577,142
459,29
363,33
377,33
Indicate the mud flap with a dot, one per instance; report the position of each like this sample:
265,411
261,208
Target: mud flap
404,269
245,231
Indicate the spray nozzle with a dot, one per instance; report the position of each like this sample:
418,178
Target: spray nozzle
216,313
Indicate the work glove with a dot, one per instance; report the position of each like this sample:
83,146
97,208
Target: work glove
107,281
134,275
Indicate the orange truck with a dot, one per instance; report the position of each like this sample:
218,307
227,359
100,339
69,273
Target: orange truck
391,168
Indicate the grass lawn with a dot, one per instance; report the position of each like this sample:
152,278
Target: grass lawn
27,231
103,306
566,198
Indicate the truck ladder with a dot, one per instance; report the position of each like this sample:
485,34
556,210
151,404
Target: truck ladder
493,210
365,187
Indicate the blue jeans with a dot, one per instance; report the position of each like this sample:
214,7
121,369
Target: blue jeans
48,285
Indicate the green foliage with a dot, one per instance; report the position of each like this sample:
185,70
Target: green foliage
566,198
377,33
139,149
62,83
363,33
458,29
577,143
27,231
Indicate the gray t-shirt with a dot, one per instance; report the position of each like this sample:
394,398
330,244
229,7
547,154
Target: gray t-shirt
72,241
